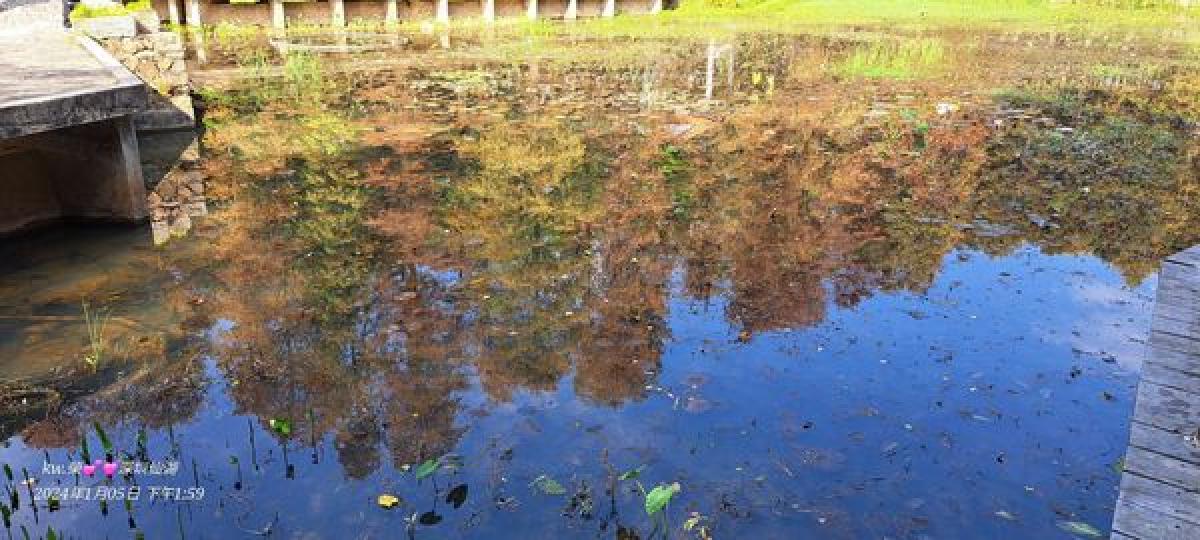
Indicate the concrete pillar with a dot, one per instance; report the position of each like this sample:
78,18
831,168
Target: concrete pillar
278,18
655,6
489,10
443,11
193,13
532,10
337,12
572,10
173,12
392,17
610,8
85,171
198,45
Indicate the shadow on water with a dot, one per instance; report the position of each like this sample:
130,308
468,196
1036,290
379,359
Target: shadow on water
870,299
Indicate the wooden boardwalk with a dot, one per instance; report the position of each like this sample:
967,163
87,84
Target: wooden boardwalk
1160,488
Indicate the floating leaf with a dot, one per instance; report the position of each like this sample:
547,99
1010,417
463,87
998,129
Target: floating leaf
1080,528
658,497
632,473
548,485
426,469
1118,466
281,426
429,518
388,501
457,496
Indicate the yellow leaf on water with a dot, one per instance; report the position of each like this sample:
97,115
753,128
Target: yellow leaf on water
388,501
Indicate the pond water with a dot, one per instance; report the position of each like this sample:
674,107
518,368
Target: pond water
833,288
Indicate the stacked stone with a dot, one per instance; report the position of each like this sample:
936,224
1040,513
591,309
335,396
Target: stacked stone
157,58
174,202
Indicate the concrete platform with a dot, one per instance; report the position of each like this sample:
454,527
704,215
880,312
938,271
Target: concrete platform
68,148
53,79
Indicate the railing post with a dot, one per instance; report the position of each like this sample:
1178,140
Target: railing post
489,10
532,10
278,21
173,12
193,13
610,8
337,12
572,10
392,16
443,11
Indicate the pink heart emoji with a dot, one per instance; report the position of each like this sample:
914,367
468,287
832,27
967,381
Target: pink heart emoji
89,470
110,469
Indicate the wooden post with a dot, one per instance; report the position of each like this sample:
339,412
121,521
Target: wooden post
532,10
173,12
610,8
572,10
277,15
655,6
337,12
443,11
489,10
193,13
708,72
392,16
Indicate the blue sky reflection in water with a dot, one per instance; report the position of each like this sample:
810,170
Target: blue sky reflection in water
825,309
995,402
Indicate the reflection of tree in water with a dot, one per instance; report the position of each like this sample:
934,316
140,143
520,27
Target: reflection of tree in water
532,249
314,316
1122,184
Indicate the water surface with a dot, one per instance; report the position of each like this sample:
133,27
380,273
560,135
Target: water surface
903,296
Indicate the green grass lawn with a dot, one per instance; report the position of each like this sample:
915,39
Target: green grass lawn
704,17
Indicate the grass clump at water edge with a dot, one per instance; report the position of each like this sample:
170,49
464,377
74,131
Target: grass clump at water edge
894,60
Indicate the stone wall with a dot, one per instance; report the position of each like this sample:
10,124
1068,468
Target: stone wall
166,131
157,59
21,16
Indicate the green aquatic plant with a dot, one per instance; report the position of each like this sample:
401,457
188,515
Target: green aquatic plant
95,324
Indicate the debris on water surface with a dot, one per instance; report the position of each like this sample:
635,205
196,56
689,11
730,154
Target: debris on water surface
388,501
548,485
696,405
1080,528
1005,514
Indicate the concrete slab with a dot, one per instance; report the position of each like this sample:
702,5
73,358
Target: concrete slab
53,79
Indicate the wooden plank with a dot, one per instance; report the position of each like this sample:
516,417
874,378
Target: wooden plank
1183,278
1166,407
1163,498
1167,375
1135,521
1172,342
1164,442
1160,488
1184,329
1189,256
1179,361
1163,468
